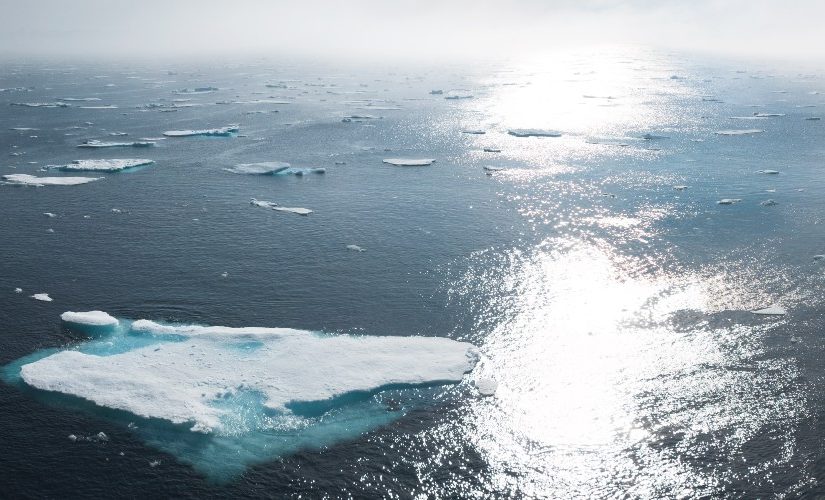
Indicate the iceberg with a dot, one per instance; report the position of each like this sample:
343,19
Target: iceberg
769,172
275,206
113,165
222,398
101,144
44,297
220,132
680,188
748,131
31,180
264,168
355,248
728,201
409,162
41,104
533,132
768,203
774,310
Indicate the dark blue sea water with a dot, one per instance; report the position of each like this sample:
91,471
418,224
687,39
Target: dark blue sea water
612,309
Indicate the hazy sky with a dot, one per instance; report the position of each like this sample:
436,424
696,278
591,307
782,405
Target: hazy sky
424,29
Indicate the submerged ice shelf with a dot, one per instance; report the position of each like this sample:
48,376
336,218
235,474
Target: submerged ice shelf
253,393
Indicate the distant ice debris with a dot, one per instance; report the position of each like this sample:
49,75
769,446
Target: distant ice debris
275,206
31,180
409,162
436,92
185,382
768,115
769,172
90,318
110,106
18,290
44,297
492,150
220,132
197,90
49,214
102,144
813,118
748,131
654,137
533,132
774,310
80,99
728,201
491,169
768,203
263,168
680,188
111,165
355,248
473,131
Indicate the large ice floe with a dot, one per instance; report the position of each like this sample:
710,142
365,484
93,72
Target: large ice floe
533,132
32,180
221,398
110,165
279,208
409,162
103,144
272,168
215,132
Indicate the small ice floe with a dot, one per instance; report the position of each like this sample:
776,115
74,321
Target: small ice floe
18,290
50,230
473,131
154,463
486,386
31,180
101,144
197,90
118,134
533,132
90,318
728,201
768,172
263,168
41,104
813,118
224,274
815,257
111,165
680,188
79,99
606,141
218,132
747,131
49,214
42,297
116,211
409,162
768,115
458,94
110,106
436,92
492,150
768,203
355,248
489,169
774,310
653,137
24,129
275,206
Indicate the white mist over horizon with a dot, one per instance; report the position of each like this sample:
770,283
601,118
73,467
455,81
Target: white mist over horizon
426,30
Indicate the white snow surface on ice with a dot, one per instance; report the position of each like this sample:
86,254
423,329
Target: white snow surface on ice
409,162
111,165
180,381
91,318
31,180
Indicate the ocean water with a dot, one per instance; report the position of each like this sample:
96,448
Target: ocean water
613,310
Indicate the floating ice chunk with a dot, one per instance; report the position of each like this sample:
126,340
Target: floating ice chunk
458,94
182,381
491,169
769,172
49,214
18,290
486,386
112,165
72,438
728,201
42,297
101,144
220,132
606,141
81,99
355,248
109,106
436,92
23,129
774,310
492,150
263,168
768,115
409,162
197,90
816,257
90,318
752,117
41,104
813,118
473,132
275,206
31,180
653,137
748,131
680,188
533,132
768,203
